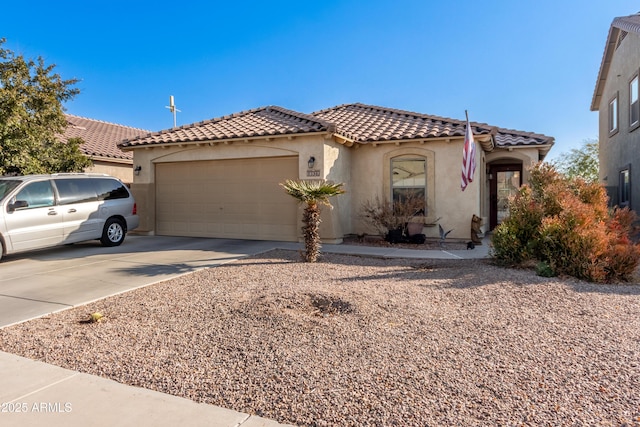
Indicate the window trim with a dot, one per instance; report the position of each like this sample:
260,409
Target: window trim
413,152
636,77
627,202
615,117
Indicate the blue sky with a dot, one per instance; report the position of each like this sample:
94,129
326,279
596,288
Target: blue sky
526,65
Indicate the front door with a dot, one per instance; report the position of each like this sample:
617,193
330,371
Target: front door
505,182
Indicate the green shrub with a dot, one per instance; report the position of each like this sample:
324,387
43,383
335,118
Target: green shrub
566,225
506,246
543,269
514,240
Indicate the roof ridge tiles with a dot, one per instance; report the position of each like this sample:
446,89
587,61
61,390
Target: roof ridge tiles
628,23
192,125
330,126
74,116
521,132
356,121
443,120
283,121
405,113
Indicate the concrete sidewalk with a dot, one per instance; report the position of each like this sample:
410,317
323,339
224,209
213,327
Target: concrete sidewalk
480,251
37,394
33,393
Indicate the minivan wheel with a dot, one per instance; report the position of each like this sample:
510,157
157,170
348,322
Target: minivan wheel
113,233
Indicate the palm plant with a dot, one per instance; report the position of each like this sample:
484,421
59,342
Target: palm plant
312,194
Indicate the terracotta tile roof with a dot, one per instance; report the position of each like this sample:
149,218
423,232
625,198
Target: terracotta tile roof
259,122
100,138
629,23
508,137
618,30
366,123
356,122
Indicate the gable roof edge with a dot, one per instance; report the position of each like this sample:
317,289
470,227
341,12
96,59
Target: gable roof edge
629,24
603,73
626,24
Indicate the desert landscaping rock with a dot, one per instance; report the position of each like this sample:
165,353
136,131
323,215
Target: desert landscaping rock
354,341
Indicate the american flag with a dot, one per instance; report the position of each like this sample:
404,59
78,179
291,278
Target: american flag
468,157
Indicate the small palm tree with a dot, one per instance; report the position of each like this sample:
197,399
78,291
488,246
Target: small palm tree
313,194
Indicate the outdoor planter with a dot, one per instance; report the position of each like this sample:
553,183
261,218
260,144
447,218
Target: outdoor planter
395,236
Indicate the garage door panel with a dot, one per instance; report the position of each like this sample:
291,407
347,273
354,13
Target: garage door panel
274,210
238,198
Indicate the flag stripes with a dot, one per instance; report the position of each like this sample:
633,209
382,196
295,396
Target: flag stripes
468,157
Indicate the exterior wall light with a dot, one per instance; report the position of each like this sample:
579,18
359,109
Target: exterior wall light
137,170
311,163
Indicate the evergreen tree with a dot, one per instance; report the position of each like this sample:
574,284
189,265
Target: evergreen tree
32,118
580,162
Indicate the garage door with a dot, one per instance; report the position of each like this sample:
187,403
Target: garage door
238,199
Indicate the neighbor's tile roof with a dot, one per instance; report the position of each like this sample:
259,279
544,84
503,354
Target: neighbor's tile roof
356,122
100,138
259,122
629,23
367,123
617,32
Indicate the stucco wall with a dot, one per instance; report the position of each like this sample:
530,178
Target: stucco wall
371,179
620,150
364,169
331,163
336,220
120,170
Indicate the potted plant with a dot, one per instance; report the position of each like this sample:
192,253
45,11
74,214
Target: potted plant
396,221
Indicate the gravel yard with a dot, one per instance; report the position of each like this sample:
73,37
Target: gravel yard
354,341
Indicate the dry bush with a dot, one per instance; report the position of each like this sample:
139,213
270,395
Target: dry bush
566,223
385,216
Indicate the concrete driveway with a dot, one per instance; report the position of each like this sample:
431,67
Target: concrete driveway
38,283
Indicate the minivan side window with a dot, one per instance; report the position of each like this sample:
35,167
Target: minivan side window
110,189
75,191
37,195
6,186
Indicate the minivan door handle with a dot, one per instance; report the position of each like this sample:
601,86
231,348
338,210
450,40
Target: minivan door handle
72,210
52,212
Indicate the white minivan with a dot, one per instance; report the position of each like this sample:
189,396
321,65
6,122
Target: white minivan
40,211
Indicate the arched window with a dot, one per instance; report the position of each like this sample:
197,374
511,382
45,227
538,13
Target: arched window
408,178
410,172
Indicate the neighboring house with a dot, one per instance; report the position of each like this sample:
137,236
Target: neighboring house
219,178
101,145
617,99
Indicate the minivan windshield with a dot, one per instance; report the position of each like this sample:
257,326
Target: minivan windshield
6,185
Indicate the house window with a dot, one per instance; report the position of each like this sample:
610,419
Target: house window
634,104
613,115
408,178
624,188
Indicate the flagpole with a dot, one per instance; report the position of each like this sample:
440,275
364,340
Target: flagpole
466,114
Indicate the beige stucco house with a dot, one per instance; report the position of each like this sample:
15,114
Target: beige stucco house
220,178
101,145
617,99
